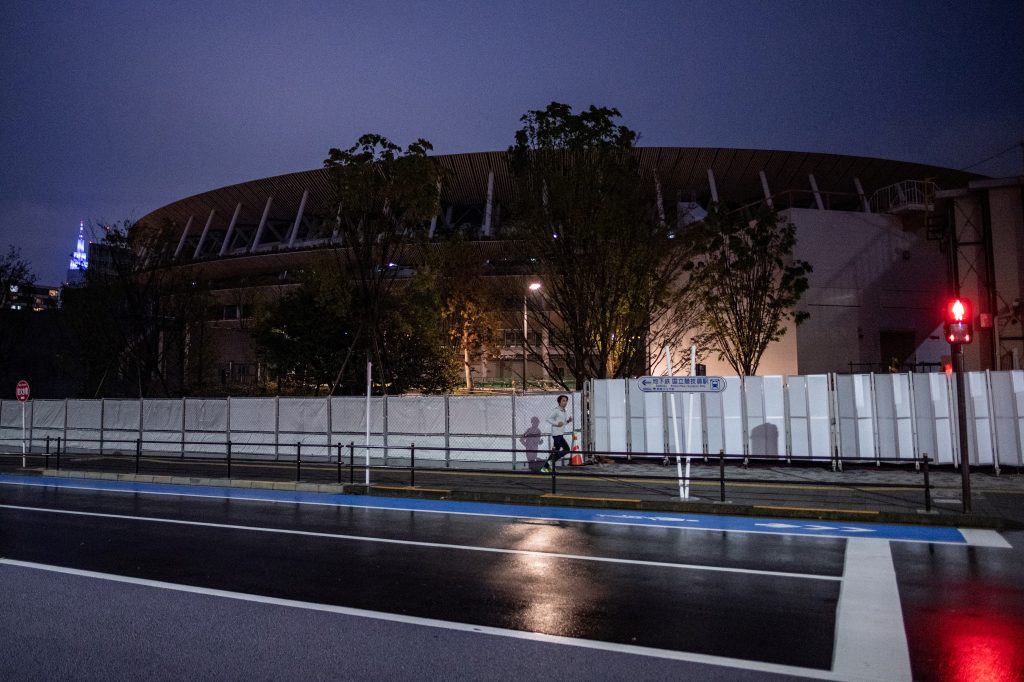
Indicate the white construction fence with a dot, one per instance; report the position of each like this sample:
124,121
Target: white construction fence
495,428
858,417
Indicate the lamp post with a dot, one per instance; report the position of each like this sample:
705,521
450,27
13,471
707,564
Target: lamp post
534,286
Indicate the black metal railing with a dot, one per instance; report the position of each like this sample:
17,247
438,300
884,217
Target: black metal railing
722,478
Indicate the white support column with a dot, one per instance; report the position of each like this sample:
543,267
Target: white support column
860,193
490,202
263,224
713,186
298,218
764,188
433,219
184,233
817,194
231,230
206,228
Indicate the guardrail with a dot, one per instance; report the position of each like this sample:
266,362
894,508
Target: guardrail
725,478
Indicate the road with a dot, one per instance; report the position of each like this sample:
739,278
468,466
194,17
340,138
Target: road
109,580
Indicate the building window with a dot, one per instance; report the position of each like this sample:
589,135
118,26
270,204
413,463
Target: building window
514,338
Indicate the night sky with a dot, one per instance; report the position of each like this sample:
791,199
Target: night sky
111,109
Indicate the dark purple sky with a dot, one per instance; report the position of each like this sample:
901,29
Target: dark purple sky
110,109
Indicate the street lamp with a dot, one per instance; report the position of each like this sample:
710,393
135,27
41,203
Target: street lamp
534,286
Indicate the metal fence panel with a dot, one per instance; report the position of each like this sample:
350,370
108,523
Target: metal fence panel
856,416
799,423
162,422
305,421
47,421
893,416
83,431
769,435
206,426
348,416
932,416
979,418
253,423
480,415
121,424
733,402
1008,404
416,415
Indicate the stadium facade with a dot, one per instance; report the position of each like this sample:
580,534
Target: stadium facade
889,241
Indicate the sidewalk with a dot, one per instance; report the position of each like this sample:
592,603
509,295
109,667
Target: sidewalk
863,492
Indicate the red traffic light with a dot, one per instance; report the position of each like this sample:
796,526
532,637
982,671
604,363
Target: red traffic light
958,325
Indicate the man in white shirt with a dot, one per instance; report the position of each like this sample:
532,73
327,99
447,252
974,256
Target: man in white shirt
559,422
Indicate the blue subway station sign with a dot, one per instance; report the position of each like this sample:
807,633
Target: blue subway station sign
683,384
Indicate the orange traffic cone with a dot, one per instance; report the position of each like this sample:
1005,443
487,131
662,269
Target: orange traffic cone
576,458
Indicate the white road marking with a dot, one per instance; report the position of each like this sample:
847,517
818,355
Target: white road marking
979,537
870,640
688,657
432,545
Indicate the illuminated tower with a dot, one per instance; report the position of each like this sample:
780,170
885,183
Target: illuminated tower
79,260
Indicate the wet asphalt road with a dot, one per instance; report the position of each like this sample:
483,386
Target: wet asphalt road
758,603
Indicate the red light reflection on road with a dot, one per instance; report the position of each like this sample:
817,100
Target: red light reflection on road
971,648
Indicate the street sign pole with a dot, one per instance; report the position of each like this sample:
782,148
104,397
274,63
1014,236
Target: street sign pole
684,484
22,392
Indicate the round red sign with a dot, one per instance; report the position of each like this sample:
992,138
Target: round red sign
21,391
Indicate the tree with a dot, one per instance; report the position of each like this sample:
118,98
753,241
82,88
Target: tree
14,271
382,197
609,257
469,302
306,336
139,329
748,285
314,337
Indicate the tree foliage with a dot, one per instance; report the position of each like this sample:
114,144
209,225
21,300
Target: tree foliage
312,338
469,300
382,196
748,285
139,329
611,264
14,271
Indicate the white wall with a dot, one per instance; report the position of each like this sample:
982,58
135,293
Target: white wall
870,275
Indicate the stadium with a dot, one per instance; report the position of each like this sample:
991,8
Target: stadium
889,241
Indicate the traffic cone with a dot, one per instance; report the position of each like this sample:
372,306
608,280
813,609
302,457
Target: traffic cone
576,458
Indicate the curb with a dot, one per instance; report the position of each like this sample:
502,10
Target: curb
715,508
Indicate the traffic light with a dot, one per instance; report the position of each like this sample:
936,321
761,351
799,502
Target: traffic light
959,328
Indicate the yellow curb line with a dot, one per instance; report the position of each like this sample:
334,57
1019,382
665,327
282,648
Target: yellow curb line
815,509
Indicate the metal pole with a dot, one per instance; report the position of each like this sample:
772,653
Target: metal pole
298,462
339,463
961,415
369,376
138,453
684,484
412,465
927,485
229,457
721,473
24,462
524,345
351,462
